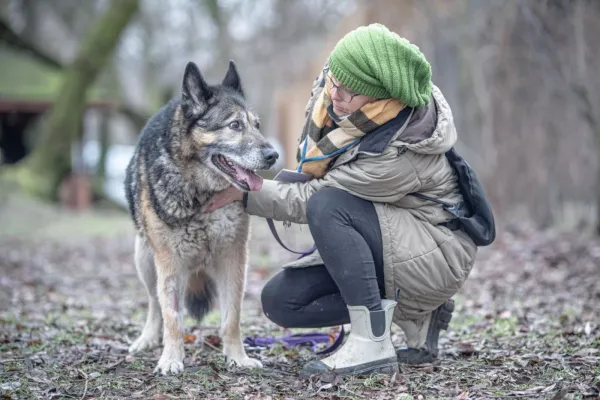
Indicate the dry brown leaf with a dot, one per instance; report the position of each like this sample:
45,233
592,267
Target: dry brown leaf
466,348
189,339
213,340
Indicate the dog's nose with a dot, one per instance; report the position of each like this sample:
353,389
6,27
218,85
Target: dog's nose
270,155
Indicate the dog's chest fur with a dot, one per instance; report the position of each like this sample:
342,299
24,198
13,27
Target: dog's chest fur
206,235
196,237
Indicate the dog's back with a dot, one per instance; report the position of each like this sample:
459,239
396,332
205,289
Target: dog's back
151,143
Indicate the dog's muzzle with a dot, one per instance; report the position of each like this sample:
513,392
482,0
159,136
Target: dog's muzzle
270,155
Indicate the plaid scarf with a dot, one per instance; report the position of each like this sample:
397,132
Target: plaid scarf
325,136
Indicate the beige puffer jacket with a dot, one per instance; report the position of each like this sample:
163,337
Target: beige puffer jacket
425,263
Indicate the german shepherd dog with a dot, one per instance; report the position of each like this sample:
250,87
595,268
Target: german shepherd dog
192,148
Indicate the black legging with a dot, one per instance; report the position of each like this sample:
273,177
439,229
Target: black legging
346,230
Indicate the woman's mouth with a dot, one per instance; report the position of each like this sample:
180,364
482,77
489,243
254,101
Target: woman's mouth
339,109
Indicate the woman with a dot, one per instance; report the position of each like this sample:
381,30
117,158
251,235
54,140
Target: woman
376,131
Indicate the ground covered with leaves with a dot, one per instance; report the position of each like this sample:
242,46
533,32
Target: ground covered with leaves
525,325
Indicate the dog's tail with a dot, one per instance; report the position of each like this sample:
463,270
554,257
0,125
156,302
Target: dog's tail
199,295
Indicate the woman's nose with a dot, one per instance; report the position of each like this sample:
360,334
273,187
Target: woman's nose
334,94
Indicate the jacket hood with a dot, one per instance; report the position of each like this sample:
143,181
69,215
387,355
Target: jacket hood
431,128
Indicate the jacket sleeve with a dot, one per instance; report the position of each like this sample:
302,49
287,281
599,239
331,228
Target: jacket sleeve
385,178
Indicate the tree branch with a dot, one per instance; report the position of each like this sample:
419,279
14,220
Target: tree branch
12,38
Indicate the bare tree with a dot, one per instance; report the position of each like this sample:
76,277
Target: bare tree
42,171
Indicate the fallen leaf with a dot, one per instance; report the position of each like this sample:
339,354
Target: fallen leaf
588,328
549,388
325,387
466,348
523,329
393,379
213,340
329,377
189,339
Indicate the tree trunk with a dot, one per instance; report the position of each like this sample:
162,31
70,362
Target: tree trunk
104,144
50,160
224,42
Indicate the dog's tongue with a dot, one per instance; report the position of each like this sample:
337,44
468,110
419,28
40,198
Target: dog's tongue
254,181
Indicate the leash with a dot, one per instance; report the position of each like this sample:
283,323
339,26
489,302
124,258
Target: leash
311,339
276,236
303,160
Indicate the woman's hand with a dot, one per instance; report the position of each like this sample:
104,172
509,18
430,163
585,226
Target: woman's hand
223,198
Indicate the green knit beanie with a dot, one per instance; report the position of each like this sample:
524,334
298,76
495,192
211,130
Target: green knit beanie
373,61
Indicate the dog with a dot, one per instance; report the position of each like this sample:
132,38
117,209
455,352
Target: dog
195,146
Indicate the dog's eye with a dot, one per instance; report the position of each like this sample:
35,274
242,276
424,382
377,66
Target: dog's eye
235,125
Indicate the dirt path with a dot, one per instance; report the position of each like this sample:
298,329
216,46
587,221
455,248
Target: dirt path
526,326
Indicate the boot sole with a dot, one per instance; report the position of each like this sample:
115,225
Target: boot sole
388,366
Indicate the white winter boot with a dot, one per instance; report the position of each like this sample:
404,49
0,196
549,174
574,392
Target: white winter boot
369,346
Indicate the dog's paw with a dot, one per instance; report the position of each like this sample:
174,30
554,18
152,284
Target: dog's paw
144,342
246,362
170,362
169,366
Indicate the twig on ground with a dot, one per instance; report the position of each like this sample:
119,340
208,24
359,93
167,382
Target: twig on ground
345,389
86,383
113,365
210,345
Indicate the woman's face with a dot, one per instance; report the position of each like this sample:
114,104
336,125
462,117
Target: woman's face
344,100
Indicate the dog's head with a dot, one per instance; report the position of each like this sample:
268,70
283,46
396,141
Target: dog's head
224,132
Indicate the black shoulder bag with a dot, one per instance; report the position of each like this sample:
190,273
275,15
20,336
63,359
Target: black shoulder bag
474,215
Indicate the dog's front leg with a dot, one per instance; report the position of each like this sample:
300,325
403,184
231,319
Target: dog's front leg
230,276
172,280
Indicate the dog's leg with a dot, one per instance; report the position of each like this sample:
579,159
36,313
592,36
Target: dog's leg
144,264
230,277
172,280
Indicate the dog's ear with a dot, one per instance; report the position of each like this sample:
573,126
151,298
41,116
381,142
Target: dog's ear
195,92
232,79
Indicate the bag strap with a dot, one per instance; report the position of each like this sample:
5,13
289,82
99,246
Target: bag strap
451,208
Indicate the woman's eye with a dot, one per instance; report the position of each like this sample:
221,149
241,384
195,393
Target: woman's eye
235,125
257,125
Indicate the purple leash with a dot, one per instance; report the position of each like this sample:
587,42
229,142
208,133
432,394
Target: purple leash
300,339
313,338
